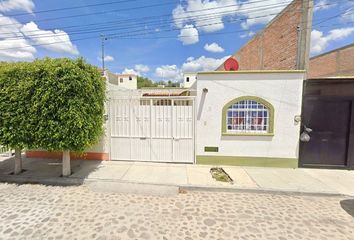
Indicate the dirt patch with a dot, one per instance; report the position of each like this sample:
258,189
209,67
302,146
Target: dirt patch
220,175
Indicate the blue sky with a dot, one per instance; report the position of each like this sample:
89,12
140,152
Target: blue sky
143,35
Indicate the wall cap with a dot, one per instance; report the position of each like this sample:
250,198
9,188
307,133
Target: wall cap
253,72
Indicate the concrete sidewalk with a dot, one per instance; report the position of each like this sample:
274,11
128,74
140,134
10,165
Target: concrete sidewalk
316,181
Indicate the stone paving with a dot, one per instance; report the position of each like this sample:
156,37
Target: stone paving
45,212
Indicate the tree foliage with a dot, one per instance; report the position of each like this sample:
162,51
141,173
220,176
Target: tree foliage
145,82
15,97
57,104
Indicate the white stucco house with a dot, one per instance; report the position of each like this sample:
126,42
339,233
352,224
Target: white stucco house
225,117
189,79
126,81
248,117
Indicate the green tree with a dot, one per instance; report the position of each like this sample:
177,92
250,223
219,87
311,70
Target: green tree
145,82
16,131
64,106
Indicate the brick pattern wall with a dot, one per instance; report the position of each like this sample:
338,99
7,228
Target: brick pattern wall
339,62
276,46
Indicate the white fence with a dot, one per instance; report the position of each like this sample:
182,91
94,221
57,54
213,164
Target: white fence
159,129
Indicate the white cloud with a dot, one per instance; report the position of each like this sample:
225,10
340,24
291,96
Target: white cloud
319,41
13,46
57,40
213,47
209,15
202,64
323,5
24,52
10,5
188,35
247,34
108,58
349,14
172,72
206,15
169,72
141,68
16,40
130,71
261,12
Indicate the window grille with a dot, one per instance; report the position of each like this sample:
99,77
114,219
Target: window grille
247,116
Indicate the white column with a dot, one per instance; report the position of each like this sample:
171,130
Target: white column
66,163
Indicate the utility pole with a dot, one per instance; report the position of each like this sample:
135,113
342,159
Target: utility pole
103,38
305,35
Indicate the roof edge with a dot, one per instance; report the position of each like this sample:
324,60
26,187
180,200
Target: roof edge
253,71
332,51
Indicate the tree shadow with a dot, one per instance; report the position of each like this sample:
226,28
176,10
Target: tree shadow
348,206
47,171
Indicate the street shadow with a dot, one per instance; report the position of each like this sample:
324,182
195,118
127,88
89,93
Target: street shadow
47,171
348,206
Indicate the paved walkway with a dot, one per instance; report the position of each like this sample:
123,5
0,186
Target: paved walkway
183,175
77,212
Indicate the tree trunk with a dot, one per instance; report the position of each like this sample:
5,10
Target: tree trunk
18,161
66,164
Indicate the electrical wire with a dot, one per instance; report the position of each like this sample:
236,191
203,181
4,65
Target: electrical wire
113,36
128,26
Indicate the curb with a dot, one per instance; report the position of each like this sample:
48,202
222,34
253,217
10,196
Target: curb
261,190
71,181
53,181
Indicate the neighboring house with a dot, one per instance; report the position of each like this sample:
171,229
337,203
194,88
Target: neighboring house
283,44
189,79
336,63
128,81
328,110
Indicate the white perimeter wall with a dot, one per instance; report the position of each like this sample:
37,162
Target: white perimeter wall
282,90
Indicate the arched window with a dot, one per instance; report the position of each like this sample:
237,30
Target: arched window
248,116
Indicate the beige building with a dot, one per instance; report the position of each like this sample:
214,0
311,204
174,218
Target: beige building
128,81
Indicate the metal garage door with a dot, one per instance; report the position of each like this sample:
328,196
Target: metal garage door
152,129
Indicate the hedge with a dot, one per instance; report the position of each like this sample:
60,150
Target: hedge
52,104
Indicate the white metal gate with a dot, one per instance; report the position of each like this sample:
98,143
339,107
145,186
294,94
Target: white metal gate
152,129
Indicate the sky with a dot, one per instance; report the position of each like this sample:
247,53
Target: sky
159,39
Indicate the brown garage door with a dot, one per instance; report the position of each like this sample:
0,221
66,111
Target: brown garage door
330,145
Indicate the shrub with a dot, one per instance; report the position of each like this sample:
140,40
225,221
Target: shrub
52,104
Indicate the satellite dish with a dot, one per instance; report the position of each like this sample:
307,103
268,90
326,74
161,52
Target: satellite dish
231,64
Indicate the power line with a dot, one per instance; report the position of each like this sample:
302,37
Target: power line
158,16
100,13
148,6
142,24
70,8
107,28
128,26
130,37
112,36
